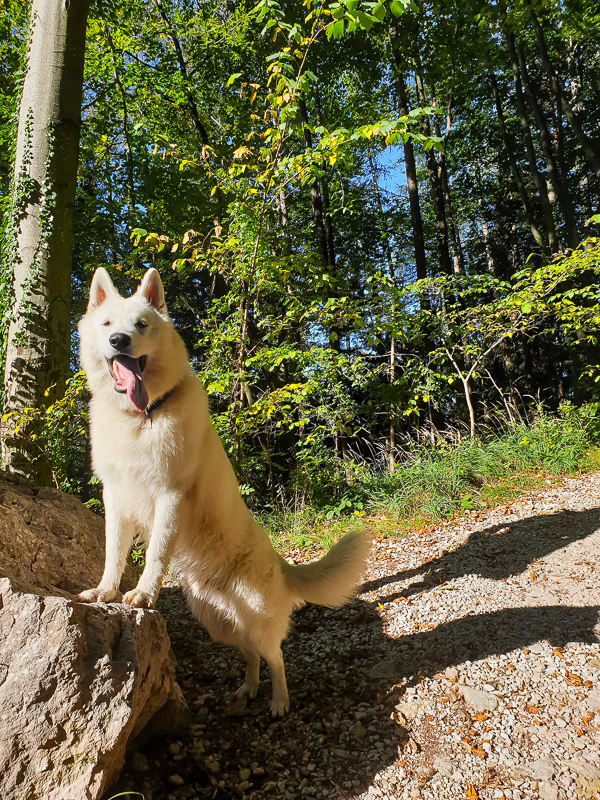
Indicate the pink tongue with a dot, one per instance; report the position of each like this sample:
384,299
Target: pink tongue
129,377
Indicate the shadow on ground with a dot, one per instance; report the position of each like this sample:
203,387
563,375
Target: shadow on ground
497,552
345,676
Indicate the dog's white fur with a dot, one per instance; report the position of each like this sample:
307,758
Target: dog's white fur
172,482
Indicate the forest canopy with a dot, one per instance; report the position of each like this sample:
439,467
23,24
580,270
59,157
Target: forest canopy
373,220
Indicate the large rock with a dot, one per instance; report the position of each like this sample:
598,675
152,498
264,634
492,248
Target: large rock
77,681
49,540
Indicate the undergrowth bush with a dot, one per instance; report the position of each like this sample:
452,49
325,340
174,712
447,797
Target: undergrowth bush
435,479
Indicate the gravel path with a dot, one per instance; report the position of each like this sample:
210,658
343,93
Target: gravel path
469,666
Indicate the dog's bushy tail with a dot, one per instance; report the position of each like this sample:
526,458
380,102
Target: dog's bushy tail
332,580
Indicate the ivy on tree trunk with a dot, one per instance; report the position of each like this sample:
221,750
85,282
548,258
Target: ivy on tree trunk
40,237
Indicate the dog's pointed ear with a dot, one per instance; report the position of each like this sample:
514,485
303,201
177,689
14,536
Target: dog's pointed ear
101,288
152,290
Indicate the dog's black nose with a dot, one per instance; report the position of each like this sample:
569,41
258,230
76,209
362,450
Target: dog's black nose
120,340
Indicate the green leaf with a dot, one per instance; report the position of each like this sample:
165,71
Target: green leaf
365,20
336,31
379,12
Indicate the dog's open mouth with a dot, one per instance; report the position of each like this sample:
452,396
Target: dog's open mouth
126,372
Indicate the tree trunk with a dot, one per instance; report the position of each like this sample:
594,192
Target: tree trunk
540,183
589,147
558,179
516,173
409,157
435,182
392,274
315,192
453,233
130,181
45,174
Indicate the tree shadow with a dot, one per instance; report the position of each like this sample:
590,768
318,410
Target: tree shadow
497,552
339,733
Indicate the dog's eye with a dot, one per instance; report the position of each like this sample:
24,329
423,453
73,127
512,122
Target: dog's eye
141,324
106,323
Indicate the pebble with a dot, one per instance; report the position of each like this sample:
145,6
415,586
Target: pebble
471,656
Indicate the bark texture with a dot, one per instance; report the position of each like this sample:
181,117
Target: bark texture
45,174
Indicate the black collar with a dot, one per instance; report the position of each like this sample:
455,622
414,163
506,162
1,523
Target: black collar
155,404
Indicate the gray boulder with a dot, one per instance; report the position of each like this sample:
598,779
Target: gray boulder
77,681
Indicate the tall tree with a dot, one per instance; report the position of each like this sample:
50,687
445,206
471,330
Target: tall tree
38,261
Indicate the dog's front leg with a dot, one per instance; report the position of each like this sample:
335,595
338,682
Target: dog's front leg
159,551
120,531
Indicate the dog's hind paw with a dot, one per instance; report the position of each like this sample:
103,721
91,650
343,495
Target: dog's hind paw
99,595
138,599
247,690
280,707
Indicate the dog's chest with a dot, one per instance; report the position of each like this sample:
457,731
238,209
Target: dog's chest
136,450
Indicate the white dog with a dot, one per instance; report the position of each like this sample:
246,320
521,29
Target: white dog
166,475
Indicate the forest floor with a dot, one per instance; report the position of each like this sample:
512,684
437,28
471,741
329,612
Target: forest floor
468,666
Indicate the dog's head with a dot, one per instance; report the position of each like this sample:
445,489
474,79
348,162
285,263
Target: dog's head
129,349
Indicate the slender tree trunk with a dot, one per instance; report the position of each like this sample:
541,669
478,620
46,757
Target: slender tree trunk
130,181
323,227
491,266
45,174
315,192
539,181
589,147
325,185
183,69
409,156
457,255
392,274
516,173
558,179
435,182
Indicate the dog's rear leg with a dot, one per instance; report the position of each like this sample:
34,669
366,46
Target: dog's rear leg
280,702
249,687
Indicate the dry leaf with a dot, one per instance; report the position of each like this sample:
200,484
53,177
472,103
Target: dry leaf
471,792
573,680
532,709
479,752
481,717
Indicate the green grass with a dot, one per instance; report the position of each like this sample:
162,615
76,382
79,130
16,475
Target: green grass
435,481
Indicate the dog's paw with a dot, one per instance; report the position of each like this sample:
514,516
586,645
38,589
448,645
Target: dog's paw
99,595
247,690
138,599
280,707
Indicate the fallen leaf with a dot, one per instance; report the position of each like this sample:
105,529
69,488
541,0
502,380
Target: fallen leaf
480,717
471,792
572,679
532,709
558,652
479,752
